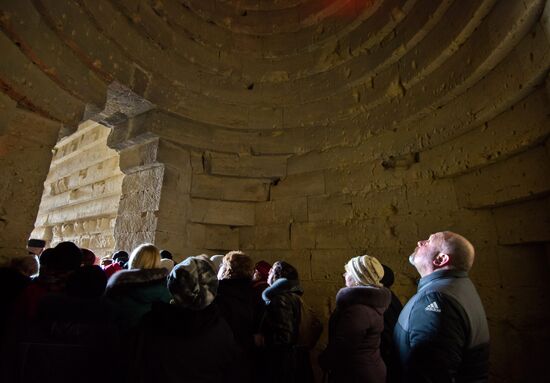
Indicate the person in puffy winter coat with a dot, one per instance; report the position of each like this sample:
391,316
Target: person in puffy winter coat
353,350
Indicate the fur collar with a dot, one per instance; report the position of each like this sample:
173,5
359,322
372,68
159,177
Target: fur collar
132,277
281,286
375,297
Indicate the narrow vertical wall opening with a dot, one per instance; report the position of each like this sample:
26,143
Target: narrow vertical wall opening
82,191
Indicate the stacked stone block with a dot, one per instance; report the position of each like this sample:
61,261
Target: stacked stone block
81,192
310,131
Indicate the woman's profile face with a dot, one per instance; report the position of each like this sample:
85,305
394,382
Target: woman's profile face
349,280
271,277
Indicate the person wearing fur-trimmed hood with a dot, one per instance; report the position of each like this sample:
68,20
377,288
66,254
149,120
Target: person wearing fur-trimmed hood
353,351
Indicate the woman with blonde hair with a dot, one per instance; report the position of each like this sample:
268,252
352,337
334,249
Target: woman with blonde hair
132,292
145,256
353,351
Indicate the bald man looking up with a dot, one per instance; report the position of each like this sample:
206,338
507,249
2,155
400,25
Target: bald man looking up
442,333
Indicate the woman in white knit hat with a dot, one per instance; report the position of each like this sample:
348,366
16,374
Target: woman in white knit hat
353,351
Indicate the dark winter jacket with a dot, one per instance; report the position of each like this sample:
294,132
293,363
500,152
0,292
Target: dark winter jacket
12,284
237,303
387,347
282,317
176,345
60,343
131,294
353,353
442,333
284,361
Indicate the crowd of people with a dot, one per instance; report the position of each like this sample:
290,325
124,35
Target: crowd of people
67,316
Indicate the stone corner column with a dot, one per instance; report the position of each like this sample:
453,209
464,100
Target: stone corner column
155,190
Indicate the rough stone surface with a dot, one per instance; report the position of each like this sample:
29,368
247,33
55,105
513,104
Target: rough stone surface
309,131
82,193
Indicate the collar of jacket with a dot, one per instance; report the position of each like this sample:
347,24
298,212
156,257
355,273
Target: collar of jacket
376,297
136,276
281,286
440,274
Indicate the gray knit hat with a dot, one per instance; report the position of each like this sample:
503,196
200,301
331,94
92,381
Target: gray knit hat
366,270
193,283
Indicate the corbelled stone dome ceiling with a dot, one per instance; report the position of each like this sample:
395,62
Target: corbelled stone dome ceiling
306,130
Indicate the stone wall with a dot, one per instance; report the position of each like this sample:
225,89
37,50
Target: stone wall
306,130
81,192
26,142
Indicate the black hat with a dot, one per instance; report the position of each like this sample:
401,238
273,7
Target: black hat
388,278
165,254
120,255
36,243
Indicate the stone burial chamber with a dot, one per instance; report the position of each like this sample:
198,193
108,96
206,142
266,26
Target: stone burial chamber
310,131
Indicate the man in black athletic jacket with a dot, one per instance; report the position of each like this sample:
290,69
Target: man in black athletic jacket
442,334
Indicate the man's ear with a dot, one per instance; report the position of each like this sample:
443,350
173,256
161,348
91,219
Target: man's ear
441,260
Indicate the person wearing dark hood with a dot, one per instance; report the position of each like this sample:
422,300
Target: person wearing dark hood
236,300
56,265
190,329
285,360
353,351
14,278
131,293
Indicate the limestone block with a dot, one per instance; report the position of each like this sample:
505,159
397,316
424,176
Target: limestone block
174,154
175,242
28,82
380,203
524,222
101,54
329,208
222,212
196,136
244,165
80,159
479,226
129,241
143,153
265,237
43,232
196,234
197,162
214,237
173,212
519,177
369,176
230,188
265,118
303,235
133,222
88,208
139,179
281,211
523,266
511,132
176,181
432,195
316,160
328,265
392,232
508,339
299,185
486,271
319,235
